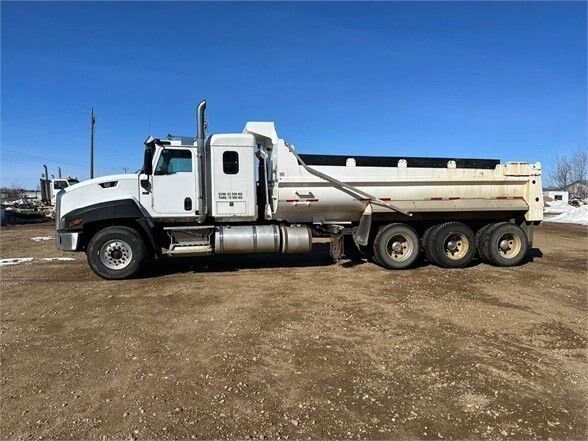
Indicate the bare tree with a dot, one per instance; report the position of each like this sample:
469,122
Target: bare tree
561,174
14,192
579,164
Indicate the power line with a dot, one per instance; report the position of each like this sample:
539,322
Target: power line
19,162
39,135
44,117
36,165
44,158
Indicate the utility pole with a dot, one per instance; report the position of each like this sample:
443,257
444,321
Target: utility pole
125,170
92,123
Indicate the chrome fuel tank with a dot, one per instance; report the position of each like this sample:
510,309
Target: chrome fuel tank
247,239
262,239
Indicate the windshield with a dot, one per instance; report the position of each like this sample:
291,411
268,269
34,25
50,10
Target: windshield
58,185
174,161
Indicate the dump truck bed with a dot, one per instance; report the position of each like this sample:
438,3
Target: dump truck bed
424,187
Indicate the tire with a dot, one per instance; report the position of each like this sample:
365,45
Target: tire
426,236
507,244
116,253
396,246
482,236
451,245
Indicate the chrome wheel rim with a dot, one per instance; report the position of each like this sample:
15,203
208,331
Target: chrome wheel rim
509,245
399,247
456,246
116,254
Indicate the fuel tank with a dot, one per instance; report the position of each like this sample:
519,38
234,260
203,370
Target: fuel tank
262,239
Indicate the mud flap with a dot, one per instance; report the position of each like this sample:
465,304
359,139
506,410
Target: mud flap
336,249
361,235
528,229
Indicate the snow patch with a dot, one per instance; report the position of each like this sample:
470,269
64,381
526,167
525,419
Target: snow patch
40,238
557,207
51,259
15,261
574,216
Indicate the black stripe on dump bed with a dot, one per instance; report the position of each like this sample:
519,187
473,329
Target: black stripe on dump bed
392,161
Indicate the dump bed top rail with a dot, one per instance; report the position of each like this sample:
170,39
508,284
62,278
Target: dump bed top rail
392,161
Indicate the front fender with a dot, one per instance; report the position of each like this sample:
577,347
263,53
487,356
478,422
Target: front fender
112,212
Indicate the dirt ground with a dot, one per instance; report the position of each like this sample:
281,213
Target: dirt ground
290,347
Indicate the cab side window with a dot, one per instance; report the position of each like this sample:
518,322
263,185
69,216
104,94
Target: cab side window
173,161
230,162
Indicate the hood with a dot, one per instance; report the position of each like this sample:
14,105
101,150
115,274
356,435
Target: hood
97,191
115,179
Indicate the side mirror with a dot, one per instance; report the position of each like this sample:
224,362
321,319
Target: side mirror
148,161
145,185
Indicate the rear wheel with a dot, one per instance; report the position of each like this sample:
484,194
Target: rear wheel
482,236
427,236
451,245
396,246
507,245
116,252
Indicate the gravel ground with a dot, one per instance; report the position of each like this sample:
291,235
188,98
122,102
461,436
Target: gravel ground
290,347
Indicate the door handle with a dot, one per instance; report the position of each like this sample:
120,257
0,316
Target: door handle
188,204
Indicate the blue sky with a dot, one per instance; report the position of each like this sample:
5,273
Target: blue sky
503,80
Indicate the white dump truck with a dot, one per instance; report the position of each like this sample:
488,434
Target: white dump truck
251,192
50,187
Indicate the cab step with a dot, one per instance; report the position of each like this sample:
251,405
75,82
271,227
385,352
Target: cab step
190,240
189,250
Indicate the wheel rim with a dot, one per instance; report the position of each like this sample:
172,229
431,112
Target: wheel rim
399,247
509,245
456,246
116,254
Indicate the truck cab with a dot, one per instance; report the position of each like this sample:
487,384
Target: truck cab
50,187
172,182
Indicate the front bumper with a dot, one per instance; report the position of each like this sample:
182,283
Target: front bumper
67,241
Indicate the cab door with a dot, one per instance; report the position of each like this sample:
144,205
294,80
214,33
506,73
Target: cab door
174,183
233,183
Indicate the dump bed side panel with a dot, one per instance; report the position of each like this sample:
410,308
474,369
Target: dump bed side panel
475,186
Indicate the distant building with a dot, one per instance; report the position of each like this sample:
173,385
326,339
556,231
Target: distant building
556,195
578,189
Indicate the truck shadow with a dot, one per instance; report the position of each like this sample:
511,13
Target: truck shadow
319,256
422,261
533,253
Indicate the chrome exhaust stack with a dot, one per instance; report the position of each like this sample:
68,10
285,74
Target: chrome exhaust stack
202,161
200,123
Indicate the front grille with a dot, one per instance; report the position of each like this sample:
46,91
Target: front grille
58,225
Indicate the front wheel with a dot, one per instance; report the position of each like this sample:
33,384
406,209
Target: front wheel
116,253
396,246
